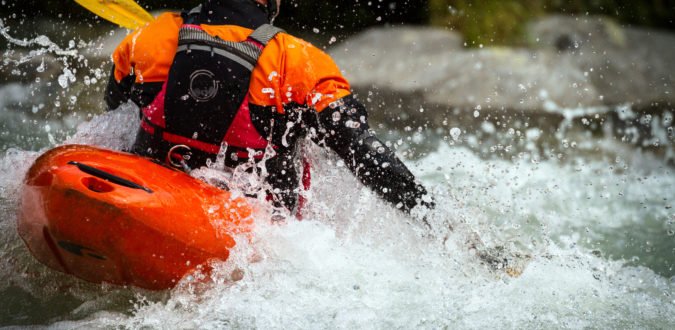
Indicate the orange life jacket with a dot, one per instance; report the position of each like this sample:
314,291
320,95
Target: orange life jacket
293,90
289,72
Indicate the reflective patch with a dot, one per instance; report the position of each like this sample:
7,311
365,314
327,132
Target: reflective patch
203,85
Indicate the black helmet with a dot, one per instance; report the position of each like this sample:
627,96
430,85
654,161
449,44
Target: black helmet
272,8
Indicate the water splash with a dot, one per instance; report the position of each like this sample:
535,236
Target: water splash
589,238
356,262
41,45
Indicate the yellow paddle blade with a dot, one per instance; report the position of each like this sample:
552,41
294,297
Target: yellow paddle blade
125,13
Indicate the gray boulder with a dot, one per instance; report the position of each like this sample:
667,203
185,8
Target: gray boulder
409,69
399,58
626,65
571,63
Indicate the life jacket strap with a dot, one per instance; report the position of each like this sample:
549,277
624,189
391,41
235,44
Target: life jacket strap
193,37
246,53
265,33
197,145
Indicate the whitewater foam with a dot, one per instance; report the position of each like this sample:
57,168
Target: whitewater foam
354,261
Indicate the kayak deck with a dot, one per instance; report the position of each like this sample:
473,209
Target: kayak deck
107,216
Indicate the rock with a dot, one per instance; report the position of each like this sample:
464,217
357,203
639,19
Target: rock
626,65
383,66
396,58
518,79
568,33
571,63
392,43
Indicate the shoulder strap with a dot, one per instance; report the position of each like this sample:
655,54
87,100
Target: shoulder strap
190,17
265,33
246,53
195,10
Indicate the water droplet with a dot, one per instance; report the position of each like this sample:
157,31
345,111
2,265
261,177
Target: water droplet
269,91
455,133
41,68
272,75
352,124
63,81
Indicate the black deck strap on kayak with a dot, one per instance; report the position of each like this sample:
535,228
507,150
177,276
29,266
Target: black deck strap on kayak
109,177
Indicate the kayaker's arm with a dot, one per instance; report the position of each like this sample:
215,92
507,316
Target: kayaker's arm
313,79
345,130
123,85
117,93
122,75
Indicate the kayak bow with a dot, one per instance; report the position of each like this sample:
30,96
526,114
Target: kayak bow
107,216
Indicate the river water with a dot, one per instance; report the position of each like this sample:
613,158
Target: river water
581,238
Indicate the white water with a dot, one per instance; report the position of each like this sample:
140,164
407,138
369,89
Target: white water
593,239
356,263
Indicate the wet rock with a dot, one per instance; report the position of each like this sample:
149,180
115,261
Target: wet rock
567,33
576,79
386,46
517,79
400,58
385,64
572,63
401,80
626,65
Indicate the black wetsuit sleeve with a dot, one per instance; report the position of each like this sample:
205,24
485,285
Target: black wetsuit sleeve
343,127
117,93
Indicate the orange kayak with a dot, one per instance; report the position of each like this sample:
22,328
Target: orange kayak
107,216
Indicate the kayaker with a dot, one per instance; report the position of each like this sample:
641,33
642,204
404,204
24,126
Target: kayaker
220,79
